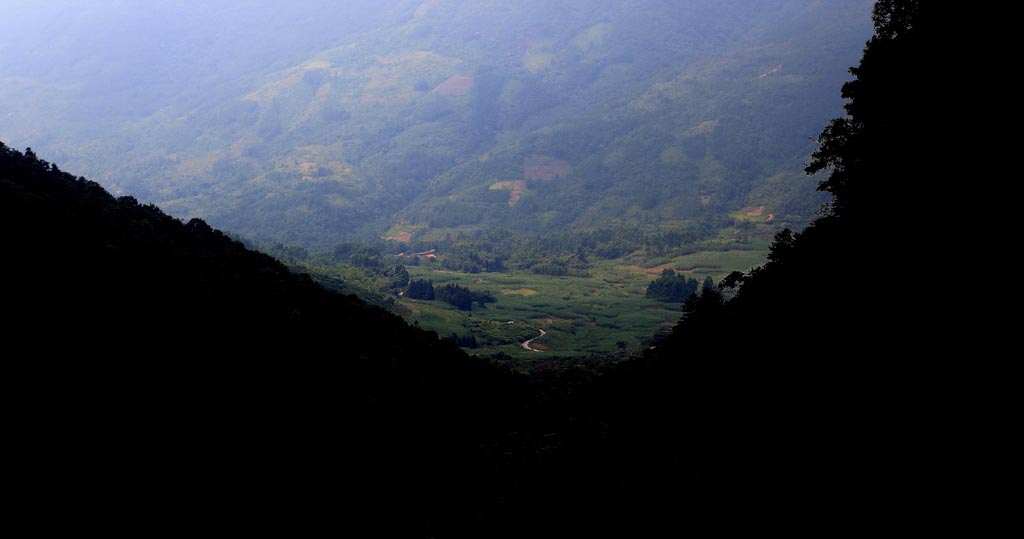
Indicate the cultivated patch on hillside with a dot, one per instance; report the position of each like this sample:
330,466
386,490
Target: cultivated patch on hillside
542,167
456,85
425,8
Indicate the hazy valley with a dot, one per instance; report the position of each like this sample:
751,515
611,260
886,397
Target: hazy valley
546,142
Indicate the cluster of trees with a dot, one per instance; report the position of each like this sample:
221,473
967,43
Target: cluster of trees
420,289
558,253
460,297
368,268
359,268
675,287
464,342
359,254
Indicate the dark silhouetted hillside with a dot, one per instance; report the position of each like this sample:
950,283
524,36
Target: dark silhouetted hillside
807,402
161,370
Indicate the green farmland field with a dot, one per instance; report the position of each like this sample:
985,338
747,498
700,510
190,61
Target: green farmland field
606,312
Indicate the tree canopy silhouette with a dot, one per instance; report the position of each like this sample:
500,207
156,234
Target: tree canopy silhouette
771,401
244,391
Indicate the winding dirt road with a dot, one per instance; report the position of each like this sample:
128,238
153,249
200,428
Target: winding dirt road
526,345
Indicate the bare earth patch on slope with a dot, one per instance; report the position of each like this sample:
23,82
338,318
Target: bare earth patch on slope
456,85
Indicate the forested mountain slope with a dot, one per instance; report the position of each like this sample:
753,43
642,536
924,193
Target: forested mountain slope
423,119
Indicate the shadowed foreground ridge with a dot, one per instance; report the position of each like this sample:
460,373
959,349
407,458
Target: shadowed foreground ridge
804,388
174,373
170,371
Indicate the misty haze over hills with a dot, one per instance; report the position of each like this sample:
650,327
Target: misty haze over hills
319,122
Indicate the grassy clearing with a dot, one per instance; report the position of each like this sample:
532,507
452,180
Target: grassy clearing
601,314
519,292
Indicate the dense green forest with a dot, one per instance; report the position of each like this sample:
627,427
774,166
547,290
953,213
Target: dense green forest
162,371
424,120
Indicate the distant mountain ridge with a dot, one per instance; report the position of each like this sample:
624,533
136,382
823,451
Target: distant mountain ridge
440,117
